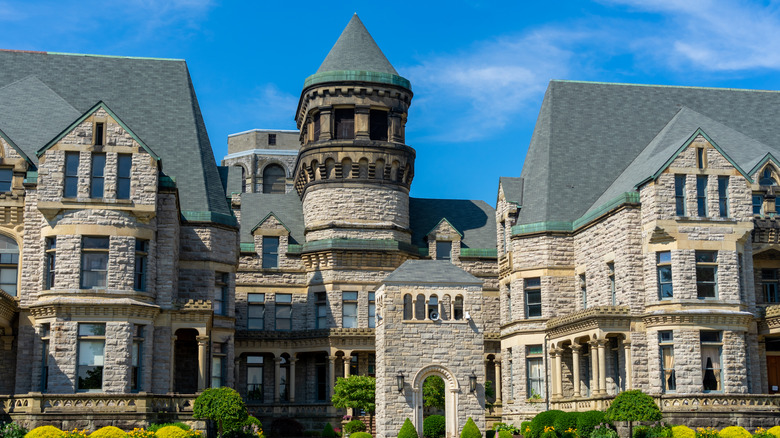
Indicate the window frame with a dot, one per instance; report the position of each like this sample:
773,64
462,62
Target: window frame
662,265
770,282
9,263
255,301
349,299
136,358
270,257
666,344
95,338
371,310
701,266
280,305
530,286
97,176
445,245
218,364
45,346
123,179
6,177
70,186
141,266
679,194
611,279
219,303
757,202
701,195
715,342
583,284
375,117
723,196
536,357
86,252
342,123
255,391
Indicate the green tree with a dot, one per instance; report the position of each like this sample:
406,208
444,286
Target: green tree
221,405
633,406
433,392
356,392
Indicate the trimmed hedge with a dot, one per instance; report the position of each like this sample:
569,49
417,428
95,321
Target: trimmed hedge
775,431
734,432
171,432
542,420
328,432
154,427
470,430
587,421
683,432
407,430
566,420
45,432
108,432
354,426
633,405
360,435
504,434
434,426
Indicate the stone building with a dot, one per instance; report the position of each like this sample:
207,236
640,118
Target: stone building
637,249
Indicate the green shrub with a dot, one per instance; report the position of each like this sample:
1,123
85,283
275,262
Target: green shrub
683,432
328,432
360,435
633,405
45,432
249,428
734,432
434,426
542,420
154,427
525,428
566,421
470,430
407,430
108,432
511,428
775,431
171,432
12,430
588,420
760,432
504,434
641,432
603,430
659,429
354,426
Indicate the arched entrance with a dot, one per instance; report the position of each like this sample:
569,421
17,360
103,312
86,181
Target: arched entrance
451,392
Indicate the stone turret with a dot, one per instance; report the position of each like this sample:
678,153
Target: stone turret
354,171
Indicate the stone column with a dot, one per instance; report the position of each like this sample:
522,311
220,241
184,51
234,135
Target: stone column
575,361
497,365
396,129
627,359
557,379
173,364
203,360
325,123
594,367
362,122
602,344
277,377
331,375
291,383
347,357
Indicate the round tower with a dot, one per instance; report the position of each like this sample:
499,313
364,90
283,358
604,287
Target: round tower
354,171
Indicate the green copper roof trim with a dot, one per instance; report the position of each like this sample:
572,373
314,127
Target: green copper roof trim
768,157
483,253
444,219
687,143
83,117
423,252
210,216
265,219
167,182
113,56
15,147
617,201
247,247
357,76
31,177
359,244
294,248
538,227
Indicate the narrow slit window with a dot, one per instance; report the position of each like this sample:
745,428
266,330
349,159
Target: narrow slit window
701,195
679,194
100,131
98,175
71,189
124,166
723,196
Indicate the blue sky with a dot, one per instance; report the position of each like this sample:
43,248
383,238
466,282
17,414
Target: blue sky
478,69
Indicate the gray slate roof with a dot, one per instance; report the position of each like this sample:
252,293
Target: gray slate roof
287,208
43,93
513,189
476,220
587,134
356,50
431,272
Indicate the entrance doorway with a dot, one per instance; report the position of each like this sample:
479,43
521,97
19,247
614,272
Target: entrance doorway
185,354
434,416
450,389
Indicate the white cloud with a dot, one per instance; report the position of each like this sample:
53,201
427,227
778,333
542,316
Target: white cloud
269,108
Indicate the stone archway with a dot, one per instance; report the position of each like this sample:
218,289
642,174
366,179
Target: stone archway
452,390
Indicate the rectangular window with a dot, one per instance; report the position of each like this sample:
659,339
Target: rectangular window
124,167
583,290
509,302
679,194
511,372
98,175
71,189
758,205
94,262
50,261
141,255
100,131
344,123
218,362
349,310
611,278
700,157
706,274
371,364
701,195
769,280
723,196
353,365
777,204
283,312
666,345
9,266
6,175
321,381
45,336
378,123
270,252
371,310
443,250
711,345
136,358
255,319
535,370
321,308
317,128
220,293
741,276
271,139
664,267
91,344
254,378
533,298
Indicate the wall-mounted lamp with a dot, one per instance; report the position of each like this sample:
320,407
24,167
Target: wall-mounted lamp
399,381
472,382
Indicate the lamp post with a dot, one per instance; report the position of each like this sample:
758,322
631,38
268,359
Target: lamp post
399,381
472,382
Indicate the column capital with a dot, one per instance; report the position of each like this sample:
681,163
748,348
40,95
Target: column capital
202,340
332,358
576,347
278,360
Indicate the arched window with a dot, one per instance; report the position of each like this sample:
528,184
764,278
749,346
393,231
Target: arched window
9,264
433,307
273,179
407,307
446,302
419,308
766,178
458,310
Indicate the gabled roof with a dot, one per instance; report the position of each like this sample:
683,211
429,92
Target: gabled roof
430,272
587,134
475,220
761,161
444,220
13,145
356,50
262,221
42,93
257,207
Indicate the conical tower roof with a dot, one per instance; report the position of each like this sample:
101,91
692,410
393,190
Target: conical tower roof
356,50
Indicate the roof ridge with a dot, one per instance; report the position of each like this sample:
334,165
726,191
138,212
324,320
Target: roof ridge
691,87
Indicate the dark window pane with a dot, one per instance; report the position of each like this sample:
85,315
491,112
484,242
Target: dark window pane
71,188
5,179
378,121
273,179
344,123
124,166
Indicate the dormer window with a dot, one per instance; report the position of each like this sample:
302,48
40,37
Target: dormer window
766,178
100,129
344,123
378,125
443,250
